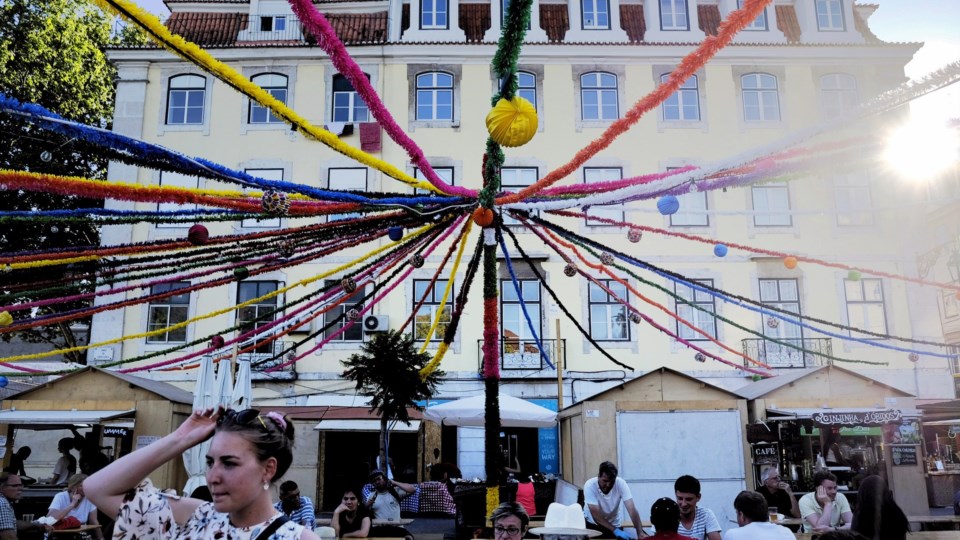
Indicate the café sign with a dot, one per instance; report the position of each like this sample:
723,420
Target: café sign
860,418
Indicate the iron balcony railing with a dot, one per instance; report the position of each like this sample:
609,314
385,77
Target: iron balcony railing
273,28
522,354
804,352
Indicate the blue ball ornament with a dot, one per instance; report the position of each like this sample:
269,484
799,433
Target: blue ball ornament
720,250
668,205
4,381
395,233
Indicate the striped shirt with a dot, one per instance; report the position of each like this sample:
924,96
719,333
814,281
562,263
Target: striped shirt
303,515
703,522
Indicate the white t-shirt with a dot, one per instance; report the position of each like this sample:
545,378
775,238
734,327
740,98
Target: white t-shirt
609,503
703,522
385,506
760,531
82,512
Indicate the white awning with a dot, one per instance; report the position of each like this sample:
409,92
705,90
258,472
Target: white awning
806,413
955,422
63,418
365,425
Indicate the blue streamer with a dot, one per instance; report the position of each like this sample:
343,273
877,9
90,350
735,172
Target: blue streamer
523,305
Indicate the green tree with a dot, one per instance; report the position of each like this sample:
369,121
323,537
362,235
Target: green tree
52,54
388,371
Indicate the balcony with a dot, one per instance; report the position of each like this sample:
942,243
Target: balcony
272,28
520,354
816,352
260,359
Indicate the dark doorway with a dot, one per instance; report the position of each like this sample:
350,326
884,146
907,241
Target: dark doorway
350,456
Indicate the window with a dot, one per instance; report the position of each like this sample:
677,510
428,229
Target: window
608,316
425,315
692,212
168,311
527,87
352,301
185,98
433,14
852,192
760,100
347,179
782,294
445,174
830,15
760,23
515,179
592,175
838,95
273,23
275,85
504,11
689,301
348,106
598,96
771,205
259,313
519,348
596,14
673,15
435,96
177,180
268,223
865,309
684,104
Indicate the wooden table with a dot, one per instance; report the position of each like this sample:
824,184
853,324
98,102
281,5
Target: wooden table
375,522
924,521
925,535
624,524
78,530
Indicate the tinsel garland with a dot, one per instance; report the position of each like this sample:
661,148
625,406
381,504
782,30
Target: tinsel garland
446,293
432,282
523,305
504,63
190,51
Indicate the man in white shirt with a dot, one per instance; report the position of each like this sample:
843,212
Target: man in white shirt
753,516
601,504
695,522
825,509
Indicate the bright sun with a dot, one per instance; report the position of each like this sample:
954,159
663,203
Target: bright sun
922,150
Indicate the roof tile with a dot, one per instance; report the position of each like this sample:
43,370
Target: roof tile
631,19
554,21
861,26
208,29
788,24
709,18
474,21
353,28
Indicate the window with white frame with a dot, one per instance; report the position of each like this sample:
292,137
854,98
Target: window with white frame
771,205
435,96
347,179
854,204
445,174
595,175
698,307
431,294
274,84
173,179
273,23
518,340
865,306
259,313
265,223
348,106
692,211
684,104
838,95
830,15
598,96
674,15
346,302
758,24
596,14
608,315
515,179
784,295
168,311
761,101
433,14
186,95
527,87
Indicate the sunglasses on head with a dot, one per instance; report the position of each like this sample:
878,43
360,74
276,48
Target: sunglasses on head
241,418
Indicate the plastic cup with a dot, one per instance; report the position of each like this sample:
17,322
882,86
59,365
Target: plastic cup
28,518
773,513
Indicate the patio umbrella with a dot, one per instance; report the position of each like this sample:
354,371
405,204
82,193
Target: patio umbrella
242,390
194,459
514,412
224,386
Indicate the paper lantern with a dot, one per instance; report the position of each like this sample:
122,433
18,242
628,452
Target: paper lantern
395,233
914,357
512,122
286,249
635,317
700,357
198,235
275,202
4,381
353,315
668,205
6,319
853,275
241,273
570,270
348,284
634,235
773,322
483,216
606,258
790,262
216,342
417,261
720,250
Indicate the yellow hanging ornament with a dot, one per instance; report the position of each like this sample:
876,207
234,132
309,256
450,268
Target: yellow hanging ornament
5,318
512,122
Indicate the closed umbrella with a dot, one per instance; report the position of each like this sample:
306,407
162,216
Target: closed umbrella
514,412
242,390
194,459
224,386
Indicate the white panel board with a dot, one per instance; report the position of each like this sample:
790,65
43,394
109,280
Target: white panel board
470,452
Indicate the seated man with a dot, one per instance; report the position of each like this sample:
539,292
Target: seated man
695,522
753,516
297,508
384,499
825,509
778,494
435,498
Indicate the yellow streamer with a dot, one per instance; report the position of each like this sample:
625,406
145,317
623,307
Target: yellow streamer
446,292
192,52
435,361
409,238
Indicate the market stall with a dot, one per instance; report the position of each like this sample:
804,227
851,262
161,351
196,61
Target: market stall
940,427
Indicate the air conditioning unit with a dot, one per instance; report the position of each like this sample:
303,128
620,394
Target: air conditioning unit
376,323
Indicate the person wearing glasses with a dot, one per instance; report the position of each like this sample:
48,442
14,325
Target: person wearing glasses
296,507
73,502
248,452
778,493
11,488
510,521
351,519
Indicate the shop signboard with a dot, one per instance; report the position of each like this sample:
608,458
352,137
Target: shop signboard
765,454
852,431
903,454
857,418
115,431
757,433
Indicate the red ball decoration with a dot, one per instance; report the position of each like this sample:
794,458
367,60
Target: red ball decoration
483,216
275,202
790,262
198,235
216,342
634,235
